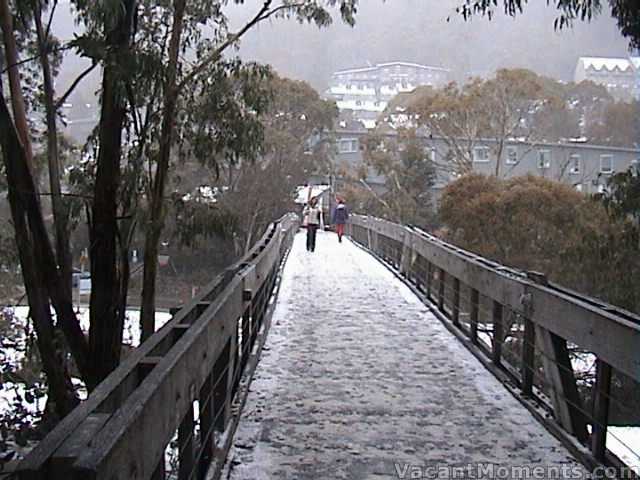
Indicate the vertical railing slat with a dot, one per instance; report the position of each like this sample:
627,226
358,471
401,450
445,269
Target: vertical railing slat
498,333
473,315
601,410
455,313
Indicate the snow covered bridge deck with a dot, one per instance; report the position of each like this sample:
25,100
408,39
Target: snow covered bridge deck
358,380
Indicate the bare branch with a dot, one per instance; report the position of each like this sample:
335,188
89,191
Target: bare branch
73,86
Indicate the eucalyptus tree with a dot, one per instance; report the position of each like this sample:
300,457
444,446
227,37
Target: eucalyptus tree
626,12
112,39
179,77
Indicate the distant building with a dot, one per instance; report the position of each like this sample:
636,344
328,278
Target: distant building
366,91
620,76
584,166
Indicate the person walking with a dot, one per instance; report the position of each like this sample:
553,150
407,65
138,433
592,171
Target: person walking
340,217
311,215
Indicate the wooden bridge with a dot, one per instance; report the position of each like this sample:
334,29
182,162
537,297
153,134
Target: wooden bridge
427,360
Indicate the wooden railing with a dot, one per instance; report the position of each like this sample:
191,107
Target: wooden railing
538,337
171,408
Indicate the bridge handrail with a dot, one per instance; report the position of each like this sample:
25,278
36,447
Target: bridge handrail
551,317
122,430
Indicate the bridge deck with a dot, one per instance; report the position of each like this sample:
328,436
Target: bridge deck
359,381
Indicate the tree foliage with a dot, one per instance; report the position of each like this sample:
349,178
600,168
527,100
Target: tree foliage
514,104
244,185
626,13
409,174
536,224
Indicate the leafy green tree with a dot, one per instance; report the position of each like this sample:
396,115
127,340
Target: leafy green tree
626,12
514,103
270,144
409,174
132,60
619,125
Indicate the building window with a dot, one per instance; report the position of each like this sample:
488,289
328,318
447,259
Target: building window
544,159
574,163
512,155
348,145
481,154
606,163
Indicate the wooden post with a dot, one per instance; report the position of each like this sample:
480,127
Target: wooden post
441,285
160,472
601,410
455,314
205,402
562,383
528,357
185,445
405,257
221,378
498,333
473,315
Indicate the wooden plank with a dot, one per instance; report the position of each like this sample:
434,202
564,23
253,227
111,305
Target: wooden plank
561,380
612,339
205,402
473,315
63,458
442,279
498,333
605,331
455,314
174,382
528,357
117,387
186,445
601,410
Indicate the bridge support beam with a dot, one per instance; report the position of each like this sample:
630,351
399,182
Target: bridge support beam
562,383
473,315
601,410
408,256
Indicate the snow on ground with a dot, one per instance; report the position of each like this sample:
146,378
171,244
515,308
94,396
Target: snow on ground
625,443
12,353
359,380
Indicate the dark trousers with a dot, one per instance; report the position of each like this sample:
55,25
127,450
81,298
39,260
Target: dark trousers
311,236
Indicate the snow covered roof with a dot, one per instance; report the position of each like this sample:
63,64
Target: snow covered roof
302,192
388,64
610,64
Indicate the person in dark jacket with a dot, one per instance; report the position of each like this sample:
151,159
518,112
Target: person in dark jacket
340,217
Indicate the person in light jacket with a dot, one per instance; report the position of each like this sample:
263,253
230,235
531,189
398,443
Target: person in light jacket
340,217
311,215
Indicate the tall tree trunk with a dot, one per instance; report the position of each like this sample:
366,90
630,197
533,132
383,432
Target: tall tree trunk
20,175
22,201
17,100
60,218
105,335
156,210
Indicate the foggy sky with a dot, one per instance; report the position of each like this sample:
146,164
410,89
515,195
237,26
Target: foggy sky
418,31
404,30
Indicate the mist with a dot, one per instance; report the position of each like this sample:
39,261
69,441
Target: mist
431,33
